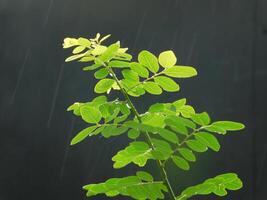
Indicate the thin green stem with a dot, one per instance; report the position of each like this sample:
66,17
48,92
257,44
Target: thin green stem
147,136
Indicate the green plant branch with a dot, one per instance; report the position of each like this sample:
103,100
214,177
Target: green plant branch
147,79
147,136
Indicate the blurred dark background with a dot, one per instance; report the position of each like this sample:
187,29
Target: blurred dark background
226,41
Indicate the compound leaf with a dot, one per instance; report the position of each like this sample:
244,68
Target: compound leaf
217,185
136,152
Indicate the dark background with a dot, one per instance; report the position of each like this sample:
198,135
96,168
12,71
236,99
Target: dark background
226,41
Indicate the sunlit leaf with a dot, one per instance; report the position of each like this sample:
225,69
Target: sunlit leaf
104,85
201,118
149,60
82,135
90,114
139,69
152,88
101,73
209,140
136,152
167,59
197,146
167,83
180,71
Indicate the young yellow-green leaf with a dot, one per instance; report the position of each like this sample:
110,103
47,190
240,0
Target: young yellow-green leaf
136,152
208,140
180,71
196,146
167,83
82,135
168,135
118,64
144,176
149,60
78,49
87,58
101,73
74,57
90,114
104,38
187,154
84,42
180,162
152,88
202,119
104,85
229,125
153,119
70,42
167,59
98,50
139,69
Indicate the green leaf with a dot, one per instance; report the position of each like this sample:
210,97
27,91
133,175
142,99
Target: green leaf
208,140
104,85
177,123
152,88
136,152
180,72
217,185
87,58
168,135
139,69
215,129
180,162
90,114
110,52
75,57
101,73
113,130
149,60
163,148
187,111
196,146
153,119
92,67
167,59
167,83
187,154
133,133
118,64
202,119
229,125
82,135
130,75
132,186
179,103
144,176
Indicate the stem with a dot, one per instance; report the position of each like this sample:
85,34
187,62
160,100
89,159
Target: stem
147,136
